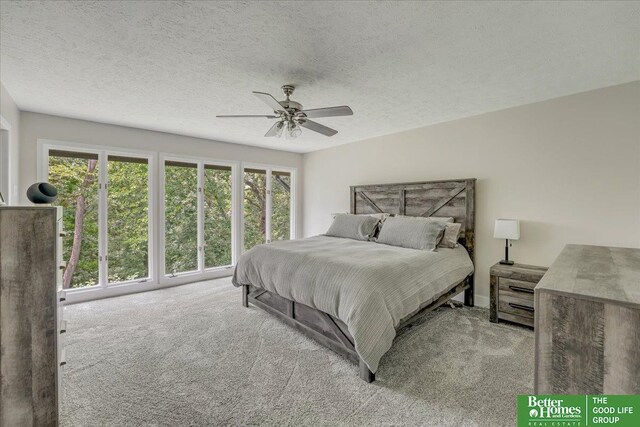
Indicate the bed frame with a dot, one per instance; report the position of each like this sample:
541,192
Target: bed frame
455,198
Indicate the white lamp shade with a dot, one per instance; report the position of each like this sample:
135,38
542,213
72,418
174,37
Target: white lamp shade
507,229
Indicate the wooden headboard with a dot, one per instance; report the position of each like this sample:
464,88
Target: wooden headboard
455,198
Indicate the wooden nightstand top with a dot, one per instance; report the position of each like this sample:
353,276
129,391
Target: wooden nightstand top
527,273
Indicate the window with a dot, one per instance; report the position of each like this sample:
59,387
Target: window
75,176
180,217
255,207
110,212
281,206
127,218
218,209
106,202
198,216
267,209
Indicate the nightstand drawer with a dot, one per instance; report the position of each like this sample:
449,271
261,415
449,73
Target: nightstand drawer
516,288
515,319
518,306
511,289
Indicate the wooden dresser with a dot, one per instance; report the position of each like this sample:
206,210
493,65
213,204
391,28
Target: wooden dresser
511,292
31,324
588,322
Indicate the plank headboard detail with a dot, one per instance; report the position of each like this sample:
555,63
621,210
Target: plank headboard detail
455,198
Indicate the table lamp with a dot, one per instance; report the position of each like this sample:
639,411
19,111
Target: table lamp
508,229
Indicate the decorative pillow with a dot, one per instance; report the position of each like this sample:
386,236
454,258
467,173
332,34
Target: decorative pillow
450,237
411,232
380,216
357,227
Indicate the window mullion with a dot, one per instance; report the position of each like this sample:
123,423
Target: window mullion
200,216
103,277
268,205
292,206
238,211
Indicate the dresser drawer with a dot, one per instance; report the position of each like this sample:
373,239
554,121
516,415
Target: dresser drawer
60,345
62,357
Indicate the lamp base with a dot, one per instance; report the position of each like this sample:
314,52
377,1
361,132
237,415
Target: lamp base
506,262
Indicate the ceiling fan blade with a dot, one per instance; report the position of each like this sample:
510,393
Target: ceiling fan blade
329,112
317,127
245,116
270,101
275,130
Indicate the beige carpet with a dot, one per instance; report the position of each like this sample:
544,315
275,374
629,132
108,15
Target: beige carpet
193,356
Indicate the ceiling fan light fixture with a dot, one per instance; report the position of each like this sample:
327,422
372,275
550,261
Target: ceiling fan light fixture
292,114
294,130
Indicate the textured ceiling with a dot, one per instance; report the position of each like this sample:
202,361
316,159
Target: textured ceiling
172,66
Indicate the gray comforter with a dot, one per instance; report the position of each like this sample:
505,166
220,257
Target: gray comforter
370,286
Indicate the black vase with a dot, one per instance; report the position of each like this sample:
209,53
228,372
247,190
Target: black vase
42,192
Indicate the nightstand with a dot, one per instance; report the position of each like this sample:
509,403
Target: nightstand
511,288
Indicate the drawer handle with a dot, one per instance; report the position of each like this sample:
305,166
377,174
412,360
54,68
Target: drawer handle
63,234
62,299
520,289
520,306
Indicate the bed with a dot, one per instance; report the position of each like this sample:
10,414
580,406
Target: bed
353,296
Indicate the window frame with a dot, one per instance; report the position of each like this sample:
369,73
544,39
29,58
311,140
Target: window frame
150,209
269,169
157,278
103,153
201,270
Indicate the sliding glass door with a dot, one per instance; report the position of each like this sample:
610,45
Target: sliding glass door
106,200
267,210
198,216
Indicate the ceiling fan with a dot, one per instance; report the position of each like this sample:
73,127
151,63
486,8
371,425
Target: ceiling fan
291,116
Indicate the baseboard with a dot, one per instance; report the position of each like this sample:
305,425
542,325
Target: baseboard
479,300
74,296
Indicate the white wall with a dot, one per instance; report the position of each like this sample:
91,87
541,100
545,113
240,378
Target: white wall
11,121
568,168
34,126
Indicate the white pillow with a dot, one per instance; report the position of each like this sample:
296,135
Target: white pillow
450,237
411,232
357,227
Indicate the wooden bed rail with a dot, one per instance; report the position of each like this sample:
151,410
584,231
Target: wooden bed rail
328,330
